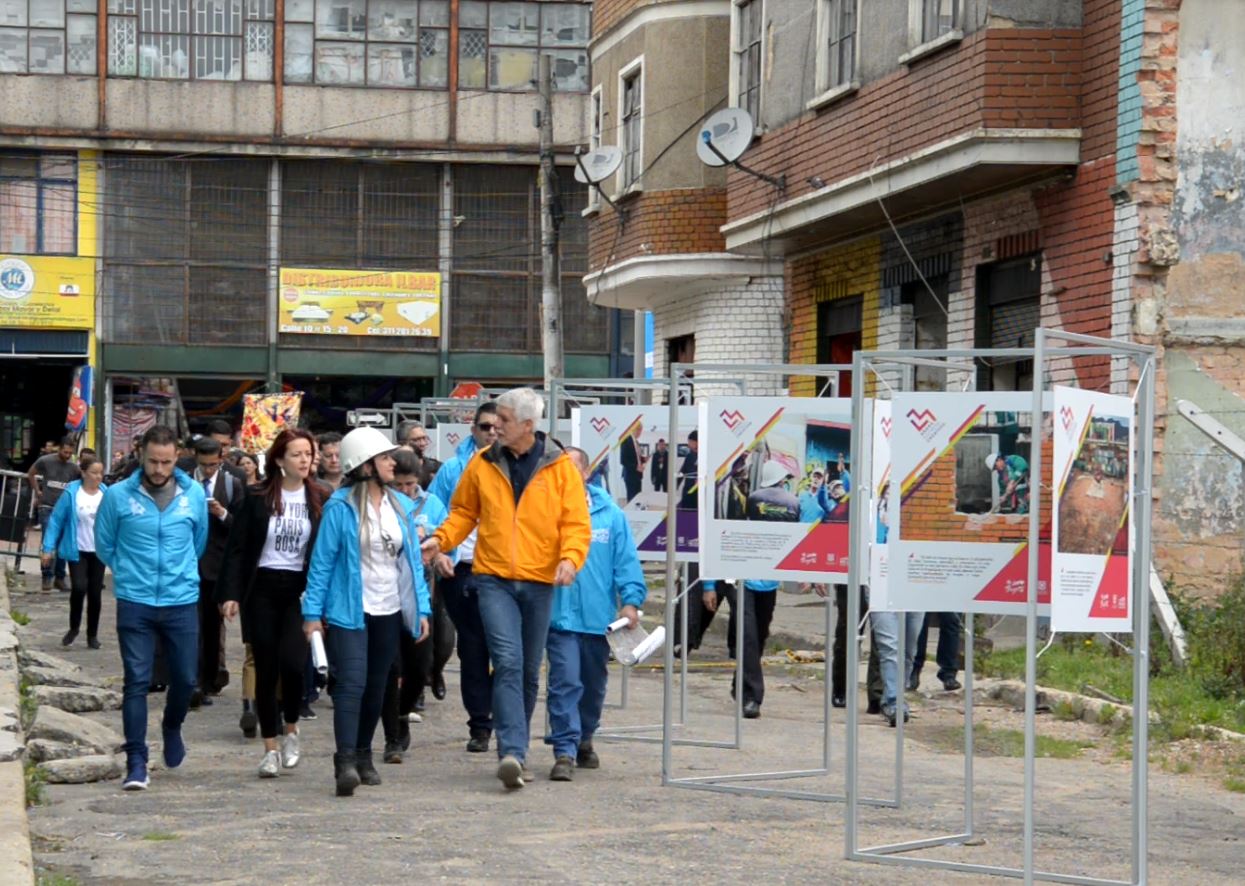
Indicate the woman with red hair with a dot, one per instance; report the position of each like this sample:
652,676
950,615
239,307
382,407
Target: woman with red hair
263,577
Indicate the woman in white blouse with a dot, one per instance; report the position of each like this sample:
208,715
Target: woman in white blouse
70,535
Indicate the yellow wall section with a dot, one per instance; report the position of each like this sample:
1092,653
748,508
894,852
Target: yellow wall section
845,271
89,204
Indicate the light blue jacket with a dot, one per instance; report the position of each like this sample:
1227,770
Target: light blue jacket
612,573
448,475
760,587
335,579
153,554
61,533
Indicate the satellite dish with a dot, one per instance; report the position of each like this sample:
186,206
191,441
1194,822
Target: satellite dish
730,131
597,166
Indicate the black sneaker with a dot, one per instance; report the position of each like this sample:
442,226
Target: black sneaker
393,752
478,743
563,770
951,684
307,713
69,637
587,758
248,722
914,682
752,710
875,707
92,642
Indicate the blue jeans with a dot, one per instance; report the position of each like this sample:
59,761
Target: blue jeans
138,627
575,688
360,662
516,623
886,637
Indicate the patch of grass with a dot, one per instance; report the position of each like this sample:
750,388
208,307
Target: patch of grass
54,879
161,837
29,706
992,742
1234,784
1066,710
1181,700
35,782
19,617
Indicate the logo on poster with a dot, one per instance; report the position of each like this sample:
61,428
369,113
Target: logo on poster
453,437
600,425
1068,417
17,279
731,418
921,420
886,427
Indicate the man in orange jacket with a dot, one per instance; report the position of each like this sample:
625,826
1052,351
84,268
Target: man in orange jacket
529,504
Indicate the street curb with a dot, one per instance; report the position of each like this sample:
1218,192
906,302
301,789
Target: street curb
16,858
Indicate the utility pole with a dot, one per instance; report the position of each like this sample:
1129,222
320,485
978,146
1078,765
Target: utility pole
550,258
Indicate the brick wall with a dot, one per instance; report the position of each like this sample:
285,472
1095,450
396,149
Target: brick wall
742,324
845,271
929,510
608,13
1002,78
659,223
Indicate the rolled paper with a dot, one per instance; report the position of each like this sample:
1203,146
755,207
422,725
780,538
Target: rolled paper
318,657
650,645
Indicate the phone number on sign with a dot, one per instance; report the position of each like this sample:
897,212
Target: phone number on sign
345,330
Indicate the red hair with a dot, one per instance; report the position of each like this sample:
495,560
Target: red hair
270,487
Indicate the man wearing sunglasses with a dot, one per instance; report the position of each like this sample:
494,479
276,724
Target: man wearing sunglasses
459,593
528,501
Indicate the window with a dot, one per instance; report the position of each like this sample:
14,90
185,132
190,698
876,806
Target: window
938,17
47,36
1008,312
631,128
190,39
929,325
839,328
836,29
38,204
396,43
186,250
498,44
495,287
596,124
746,30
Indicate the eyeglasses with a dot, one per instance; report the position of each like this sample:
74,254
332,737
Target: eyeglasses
486,426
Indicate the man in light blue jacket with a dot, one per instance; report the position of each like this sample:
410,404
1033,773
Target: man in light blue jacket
151,530
577,648
459,592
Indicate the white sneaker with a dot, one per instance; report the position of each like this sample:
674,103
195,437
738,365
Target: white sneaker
290,750
270,766
413,717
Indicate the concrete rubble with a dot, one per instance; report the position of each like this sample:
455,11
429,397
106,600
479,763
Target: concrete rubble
60,726
77,699
81,770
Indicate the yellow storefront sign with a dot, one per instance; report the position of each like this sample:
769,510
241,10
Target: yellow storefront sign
55,293
325,301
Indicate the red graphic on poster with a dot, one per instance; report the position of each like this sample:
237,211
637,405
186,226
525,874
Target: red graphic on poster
824,549
1011,584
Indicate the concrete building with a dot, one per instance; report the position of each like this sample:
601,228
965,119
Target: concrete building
658,69
213,170
957,173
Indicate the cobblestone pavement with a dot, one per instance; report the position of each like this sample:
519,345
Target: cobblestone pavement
443,815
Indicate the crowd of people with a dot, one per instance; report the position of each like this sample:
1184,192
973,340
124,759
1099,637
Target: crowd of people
364,546
392,561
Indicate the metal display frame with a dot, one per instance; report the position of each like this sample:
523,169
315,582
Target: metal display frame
736,783
631,388
1048,345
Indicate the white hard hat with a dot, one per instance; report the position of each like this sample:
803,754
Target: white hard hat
361,446
991,459
772,473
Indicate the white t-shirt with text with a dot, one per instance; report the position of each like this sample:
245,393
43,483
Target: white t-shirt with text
289,533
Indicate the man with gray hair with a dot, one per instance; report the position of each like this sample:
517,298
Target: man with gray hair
527,501
411,433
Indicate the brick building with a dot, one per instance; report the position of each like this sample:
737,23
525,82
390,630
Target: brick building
959,172
163,165
658,70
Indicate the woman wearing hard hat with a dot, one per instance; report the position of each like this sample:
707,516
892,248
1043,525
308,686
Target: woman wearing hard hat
367,582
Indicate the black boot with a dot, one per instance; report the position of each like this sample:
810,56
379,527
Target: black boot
367,770
346,773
